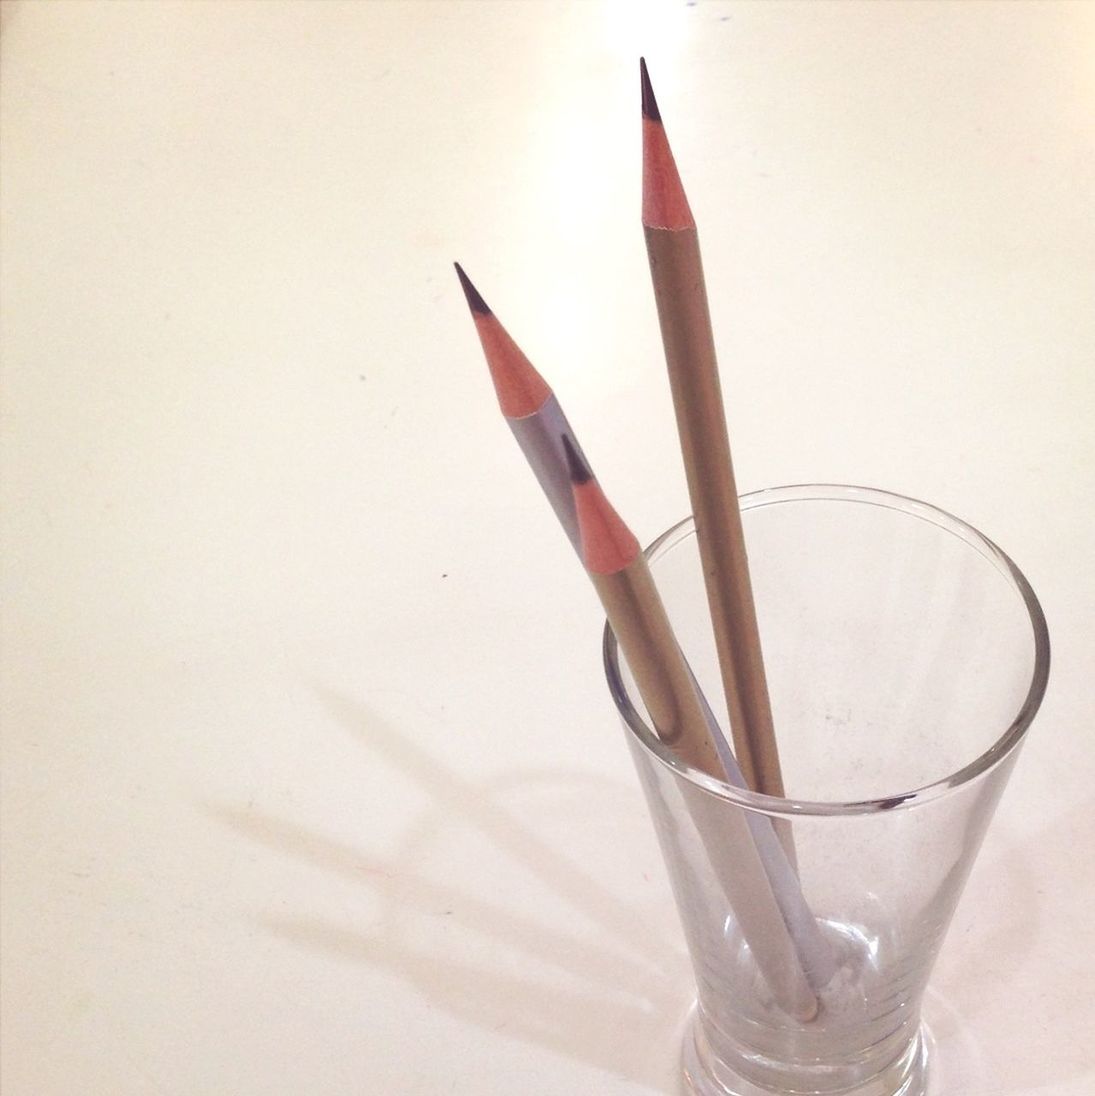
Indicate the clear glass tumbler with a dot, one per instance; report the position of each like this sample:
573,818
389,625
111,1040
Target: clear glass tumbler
906,657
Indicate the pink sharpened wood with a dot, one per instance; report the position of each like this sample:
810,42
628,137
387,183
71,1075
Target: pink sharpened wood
608,545
520,389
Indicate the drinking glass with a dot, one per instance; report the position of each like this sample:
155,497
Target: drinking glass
906,656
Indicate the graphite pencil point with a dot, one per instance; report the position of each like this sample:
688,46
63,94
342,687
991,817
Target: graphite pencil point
579,470
650,104
475,301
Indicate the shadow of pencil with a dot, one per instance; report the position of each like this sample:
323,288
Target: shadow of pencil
460,798
566,951
600,993
588,1026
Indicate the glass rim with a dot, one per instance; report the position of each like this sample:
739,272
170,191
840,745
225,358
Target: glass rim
775,806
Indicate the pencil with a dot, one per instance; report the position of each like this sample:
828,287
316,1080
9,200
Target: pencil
622,579
540,426
676,270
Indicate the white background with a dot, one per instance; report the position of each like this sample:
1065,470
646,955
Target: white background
310,783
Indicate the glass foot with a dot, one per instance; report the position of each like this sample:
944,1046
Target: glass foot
704,1075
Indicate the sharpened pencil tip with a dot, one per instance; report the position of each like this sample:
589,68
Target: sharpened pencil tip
475,301
650,104
579,470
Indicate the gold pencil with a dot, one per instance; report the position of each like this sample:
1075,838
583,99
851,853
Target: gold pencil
676,269
622,579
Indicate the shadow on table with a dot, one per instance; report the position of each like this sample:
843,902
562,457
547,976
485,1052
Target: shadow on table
592,995
613,996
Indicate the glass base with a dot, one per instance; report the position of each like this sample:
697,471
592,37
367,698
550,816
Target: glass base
704,1075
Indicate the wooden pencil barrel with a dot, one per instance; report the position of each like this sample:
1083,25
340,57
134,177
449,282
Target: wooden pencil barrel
681,299
639,621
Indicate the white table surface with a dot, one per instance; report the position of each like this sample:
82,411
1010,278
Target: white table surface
310,781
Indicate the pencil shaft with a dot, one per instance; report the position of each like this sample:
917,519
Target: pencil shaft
665,683
776,849
681,299
638,618
540,436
